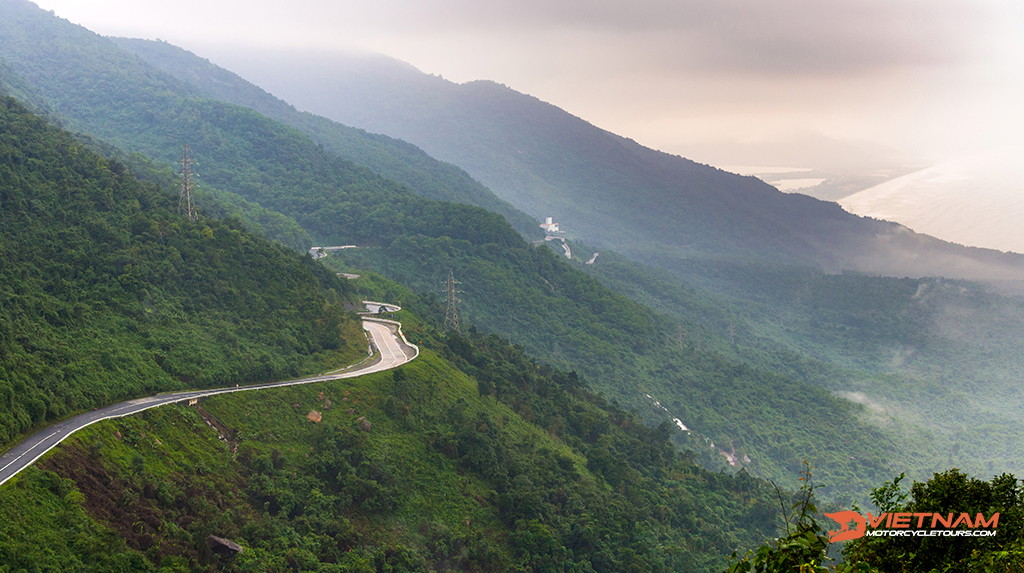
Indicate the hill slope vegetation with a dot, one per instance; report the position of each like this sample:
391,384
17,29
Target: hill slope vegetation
605,189
108,293
424,468
525,293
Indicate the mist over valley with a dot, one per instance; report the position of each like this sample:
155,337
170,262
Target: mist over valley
626,358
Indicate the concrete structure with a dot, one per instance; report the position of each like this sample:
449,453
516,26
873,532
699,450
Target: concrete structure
550,226
321,252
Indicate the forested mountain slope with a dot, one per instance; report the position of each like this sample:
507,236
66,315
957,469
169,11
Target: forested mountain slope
606,189
525,293
883,342
936,354
471,458
107,293
932,353
390,158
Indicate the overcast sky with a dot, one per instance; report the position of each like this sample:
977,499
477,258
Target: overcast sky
926,78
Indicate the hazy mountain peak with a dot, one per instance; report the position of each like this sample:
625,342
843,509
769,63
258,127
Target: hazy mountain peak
607,189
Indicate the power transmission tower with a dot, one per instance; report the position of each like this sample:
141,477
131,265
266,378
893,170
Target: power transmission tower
451,316
185,206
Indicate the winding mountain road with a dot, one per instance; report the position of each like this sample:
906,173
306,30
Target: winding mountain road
388,347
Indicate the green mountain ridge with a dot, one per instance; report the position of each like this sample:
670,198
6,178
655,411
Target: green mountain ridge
506,465
476,457
529,295
789,317
605,189
932,353
472,458
390,158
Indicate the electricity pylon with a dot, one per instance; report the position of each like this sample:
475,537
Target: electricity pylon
185,206
451,315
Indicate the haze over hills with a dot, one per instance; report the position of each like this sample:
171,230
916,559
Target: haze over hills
108,293
809,163
782,327
390,158
866,376
608,190
529,294
805,312
975,201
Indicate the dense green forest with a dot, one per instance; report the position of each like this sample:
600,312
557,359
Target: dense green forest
110,293
107,293
714,361
930,356
514,289
622,346
529,449
518,467
500,465
926,357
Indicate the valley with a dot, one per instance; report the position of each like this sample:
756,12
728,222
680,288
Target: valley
659,406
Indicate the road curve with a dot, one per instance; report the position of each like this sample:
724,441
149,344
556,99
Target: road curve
388,346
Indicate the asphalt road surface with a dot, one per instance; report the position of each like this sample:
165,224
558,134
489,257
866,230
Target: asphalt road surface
391,350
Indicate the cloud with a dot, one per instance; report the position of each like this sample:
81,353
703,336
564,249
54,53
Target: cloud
903,73
728,36
784,37
668,72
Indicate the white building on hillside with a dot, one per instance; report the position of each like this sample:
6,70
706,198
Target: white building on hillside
550,227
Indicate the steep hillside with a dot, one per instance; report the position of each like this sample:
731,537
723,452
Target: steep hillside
107,293
514,467
758,417
605,189
525,293
140,109
527,469
930,354
390,158
785,317
518,466
927,354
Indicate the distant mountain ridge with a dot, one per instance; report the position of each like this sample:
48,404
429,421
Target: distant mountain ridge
717,370
529,294
607,189
390,158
